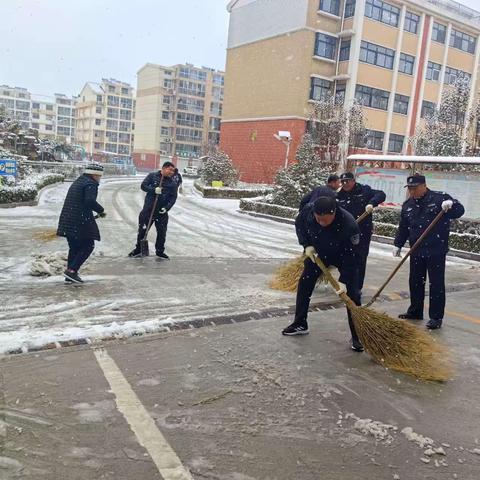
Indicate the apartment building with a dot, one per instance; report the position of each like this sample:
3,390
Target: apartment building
396,57
178,112
105,120
17,102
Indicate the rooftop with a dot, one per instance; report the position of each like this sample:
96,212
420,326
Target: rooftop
457,8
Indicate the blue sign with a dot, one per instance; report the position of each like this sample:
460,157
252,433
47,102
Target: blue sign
8,167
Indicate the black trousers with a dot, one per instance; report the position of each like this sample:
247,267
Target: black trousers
79,249
435,267
161,223
363,250
306,284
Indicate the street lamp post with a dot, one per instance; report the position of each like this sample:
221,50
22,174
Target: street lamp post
286,139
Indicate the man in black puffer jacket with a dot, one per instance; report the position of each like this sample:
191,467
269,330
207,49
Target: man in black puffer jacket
163,185
77,222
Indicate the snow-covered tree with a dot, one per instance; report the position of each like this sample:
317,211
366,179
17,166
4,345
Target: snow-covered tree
293,182
451,127
218,167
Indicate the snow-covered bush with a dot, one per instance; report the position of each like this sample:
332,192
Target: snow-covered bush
218,167
298,179
27,189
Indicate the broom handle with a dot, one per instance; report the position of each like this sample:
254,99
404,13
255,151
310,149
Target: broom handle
326,272
150,220
404,259
363,216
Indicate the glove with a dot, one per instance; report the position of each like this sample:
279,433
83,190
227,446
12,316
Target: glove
310,252
342,288
158,190
102,215
397,252
369,208
447,205
162,211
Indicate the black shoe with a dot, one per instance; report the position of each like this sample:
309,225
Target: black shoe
434,324
408,316
356,345
163,255
135,253
296,329
72,276
68,281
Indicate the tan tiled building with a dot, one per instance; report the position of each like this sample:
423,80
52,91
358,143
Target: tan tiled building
105,120
178,112
396,57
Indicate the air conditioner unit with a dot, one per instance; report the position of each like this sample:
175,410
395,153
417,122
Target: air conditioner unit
168,140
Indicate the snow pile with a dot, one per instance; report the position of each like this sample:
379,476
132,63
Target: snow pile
46,265
380,431
27,189
420,440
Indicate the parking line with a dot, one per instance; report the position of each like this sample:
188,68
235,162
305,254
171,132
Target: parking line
462,316
142,424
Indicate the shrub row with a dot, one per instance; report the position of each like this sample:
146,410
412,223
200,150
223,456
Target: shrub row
26,191
229,192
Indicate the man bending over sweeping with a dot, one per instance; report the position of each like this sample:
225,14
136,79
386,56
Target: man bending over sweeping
163,185
329,231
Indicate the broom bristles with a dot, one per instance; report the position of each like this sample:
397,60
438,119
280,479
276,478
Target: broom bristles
401,346
45,235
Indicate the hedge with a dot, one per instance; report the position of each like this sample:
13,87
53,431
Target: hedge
230,192
27,190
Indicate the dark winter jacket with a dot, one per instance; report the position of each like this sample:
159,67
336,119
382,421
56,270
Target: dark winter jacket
168,196
355,202
417,215
76,219
336,244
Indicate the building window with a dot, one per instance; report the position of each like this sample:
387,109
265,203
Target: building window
395,143
111,88
98,121
112,137
325,46
189,135
125,114
124,138
126,103
374,140
111,147
165,131
383,12
340,89
125,126
193,73
35,126
452,74
411,22
189,120
125,91
97,146
166,115
407,62
433,71
191,88
113,101
36,116
65,111
112,125
330,6
215,123
400,104
99,99
124,149
191,104
217,93
35,106
344,50
439,32
377,55
319,88
112,112
215,108
428,109
372,97
349,8
218,79
167,83
462,41
22,105
49,127
98,110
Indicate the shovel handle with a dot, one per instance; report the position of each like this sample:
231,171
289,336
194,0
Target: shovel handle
150,220
363,216
404,259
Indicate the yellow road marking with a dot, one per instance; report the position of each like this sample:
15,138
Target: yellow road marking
467,318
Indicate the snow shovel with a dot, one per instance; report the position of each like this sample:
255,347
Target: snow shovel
412,249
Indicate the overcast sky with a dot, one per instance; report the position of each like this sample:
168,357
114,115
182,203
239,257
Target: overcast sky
53,46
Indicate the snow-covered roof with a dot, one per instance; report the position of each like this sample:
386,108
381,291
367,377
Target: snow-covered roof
358,157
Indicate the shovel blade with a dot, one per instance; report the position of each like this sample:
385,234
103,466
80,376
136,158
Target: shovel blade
144,248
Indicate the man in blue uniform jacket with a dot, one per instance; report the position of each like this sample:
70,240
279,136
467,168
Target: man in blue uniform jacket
356,199
417,214
162,184
326,230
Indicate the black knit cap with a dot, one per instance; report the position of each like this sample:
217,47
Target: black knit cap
325,205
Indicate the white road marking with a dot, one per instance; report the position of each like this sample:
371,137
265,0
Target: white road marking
142,424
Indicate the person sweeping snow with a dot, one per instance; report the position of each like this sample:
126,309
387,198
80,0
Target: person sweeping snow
77,222
329,231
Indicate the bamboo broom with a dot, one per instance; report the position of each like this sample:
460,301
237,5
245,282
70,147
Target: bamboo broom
286,277
396,344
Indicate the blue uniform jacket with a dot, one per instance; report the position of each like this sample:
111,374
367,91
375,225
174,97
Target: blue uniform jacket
336,244
167,198
417,215
355,202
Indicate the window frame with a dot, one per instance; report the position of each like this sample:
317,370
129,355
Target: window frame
411,18
330,44
396,139
382,12
428,109
377,98
407,60
345,45
371,53
431,70
377,136
459,37
436,30
403,101
321,84
330,6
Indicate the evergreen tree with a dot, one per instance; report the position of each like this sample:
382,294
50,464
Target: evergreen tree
218,166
